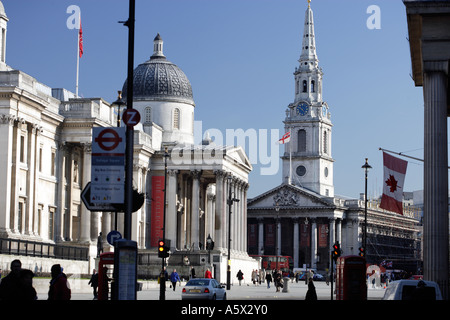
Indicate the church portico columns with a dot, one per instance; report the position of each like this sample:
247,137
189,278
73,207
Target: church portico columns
332,231
296,243
313,243
195,213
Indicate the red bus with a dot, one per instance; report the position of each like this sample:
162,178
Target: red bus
351,278
284,263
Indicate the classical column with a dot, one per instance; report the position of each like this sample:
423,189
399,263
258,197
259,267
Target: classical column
296,243
244,217
6,175
61,203
195,208
219,223
339,231
260,235
31,208
332,232
313,243
209,214
85,224
15,177
171,214
435,249
278,235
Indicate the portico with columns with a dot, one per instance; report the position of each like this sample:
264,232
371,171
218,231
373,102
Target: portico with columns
197,197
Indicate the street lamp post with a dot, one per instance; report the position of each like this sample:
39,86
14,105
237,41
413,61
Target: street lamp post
366,168
277,209
162,276
118,103
230,203
129,131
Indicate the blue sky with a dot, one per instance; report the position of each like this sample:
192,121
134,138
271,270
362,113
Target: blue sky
239,56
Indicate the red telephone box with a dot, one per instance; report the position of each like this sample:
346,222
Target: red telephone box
351,278
105,272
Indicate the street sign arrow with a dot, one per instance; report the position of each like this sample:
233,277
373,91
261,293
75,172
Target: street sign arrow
85,197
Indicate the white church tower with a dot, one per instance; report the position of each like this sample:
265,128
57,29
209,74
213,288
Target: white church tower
307,160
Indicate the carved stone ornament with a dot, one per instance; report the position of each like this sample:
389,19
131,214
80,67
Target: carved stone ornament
286,197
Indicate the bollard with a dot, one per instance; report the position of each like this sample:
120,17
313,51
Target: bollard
285,284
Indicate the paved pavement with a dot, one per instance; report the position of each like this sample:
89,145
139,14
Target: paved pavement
296,291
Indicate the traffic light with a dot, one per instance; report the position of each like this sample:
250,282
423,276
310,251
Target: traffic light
163,250
362,252
336,252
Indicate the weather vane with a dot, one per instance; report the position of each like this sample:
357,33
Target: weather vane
309,2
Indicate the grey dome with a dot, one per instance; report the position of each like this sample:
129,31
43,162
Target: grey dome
160,80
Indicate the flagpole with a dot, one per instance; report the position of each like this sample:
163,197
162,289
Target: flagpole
78,63
290,160
78,57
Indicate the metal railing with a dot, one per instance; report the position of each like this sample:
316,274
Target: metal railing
44,250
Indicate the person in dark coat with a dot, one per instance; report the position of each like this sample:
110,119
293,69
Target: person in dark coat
240,276
94,283
311,293
26,285
268,279
59,287
10,286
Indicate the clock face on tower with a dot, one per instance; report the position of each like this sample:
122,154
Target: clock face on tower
302,108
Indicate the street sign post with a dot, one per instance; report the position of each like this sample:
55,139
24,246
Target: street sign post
113,236
131,117
86,198
108,166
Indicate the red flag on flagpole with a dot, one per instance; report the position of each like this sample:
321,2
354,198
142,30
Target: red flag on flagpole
393,182
80,40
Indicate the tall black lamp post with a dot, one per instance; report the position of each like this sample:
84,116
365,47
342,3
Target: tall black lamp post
117,104
230,204
366,168
162,276
277,220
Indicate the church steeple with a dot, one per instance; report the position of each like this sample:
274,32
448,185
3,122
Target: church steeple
308,75
308,58
307,160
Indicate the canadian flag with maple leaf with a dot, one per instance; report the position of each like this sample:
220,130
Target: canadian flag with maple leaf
393,181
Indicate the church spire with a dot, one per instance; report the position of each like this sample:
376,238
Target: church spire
308,58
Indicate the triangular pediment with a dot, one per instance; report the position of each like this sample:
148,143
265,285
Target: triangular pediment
289,196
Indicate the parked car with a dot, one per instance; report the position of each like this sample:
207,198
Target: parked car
319,277
412,290
199,289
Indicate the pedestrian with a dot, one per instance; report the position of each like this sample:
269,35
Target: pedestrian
208,274
174,278
99,244
311,294
192,273
94,283
59,286
26,285
277,280
268,279
11,284
240,276
254,277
